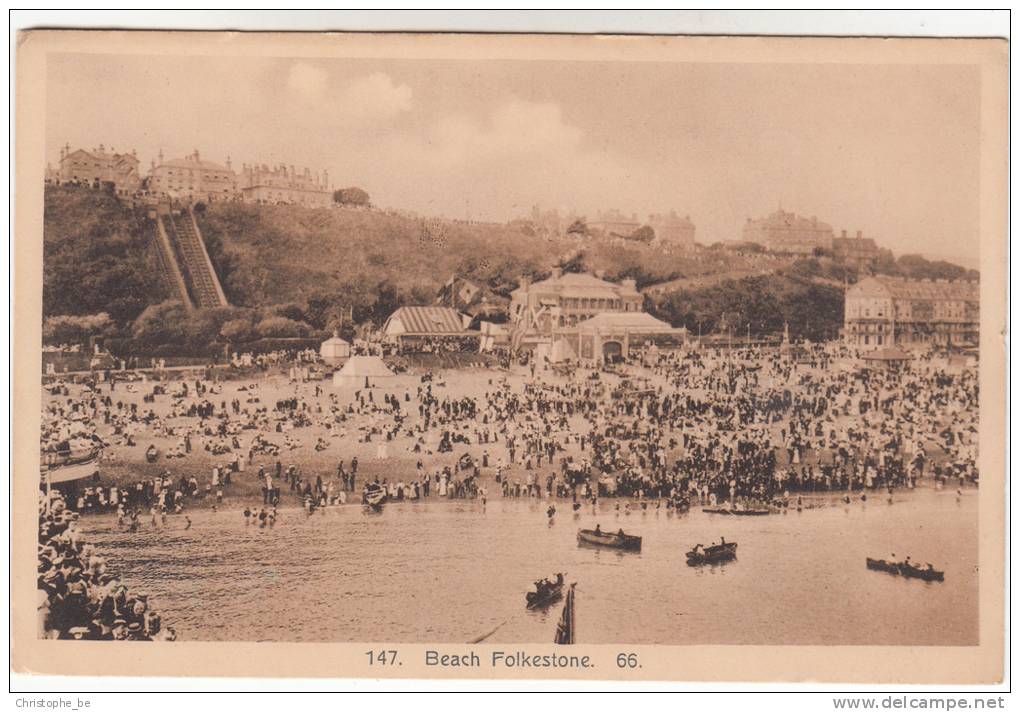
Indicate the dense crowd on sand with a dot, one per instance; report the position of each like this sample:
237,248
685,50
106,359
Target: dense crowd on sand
740,428
78,597
684,426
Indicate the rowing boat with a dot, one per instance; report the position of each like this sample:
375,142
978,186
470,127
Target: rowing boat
712,554
546,597
618,540
737,512
904,569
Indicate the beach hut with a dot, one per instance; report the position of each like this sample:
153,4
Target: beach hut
362,370
334,350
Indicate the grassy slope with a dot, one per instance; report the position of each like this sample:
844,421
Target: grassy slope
97,257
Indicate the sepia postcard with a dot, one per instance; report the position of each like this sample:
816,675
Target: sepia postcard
510,357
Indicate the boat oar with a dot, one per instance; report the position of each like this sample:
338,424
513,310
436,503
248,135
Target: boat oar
480,638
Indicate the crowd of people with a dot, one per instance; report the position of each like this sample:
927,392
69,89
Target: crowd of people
745,427
79,597
709,426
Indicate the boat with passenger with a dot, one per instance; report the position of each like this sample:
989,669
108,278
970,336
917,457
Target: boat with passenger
714,554
906,569
737,512
615,540
546,592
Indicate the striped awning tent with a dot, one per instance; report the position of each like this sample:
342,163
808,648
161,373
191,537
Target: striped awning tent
424,321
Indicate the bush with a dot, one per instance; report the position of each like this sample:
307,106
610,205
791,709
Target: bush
237,331
161,323
281,327
67,329
351,196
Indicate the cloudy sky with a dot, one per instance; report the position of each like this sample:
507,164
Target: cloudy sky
889,150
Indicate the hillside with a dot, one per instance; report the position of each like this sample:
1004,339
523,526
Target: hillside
310,265
95,256
272,254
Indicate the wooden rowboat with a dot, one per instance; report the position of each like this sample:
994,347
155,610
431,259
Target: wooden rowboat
616,540
737,512
898,568
551,594
712,554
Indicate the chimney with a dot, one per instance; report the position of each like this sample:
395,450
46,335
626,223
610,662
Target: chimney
557,272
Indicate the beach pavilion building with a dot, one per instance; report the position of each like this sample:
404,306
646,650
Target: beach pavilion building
584,317
430,328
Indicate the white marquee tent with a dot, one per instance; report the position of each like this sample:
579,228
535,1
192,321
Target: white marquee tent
360,370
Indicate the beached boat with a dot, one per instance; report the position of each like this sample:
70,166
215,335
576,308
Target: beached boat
899,568
712,554
617,540
375,496
57,468
541,600
737,512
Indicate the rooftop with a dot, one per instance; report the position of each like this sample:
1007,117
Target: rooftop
899,288
625,320
583,285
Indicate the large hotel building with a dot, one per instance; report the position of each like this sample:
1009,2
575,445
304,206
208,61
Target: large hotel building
890,311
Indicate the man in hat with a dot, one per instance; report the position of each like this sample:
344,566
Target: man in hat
135,631
43,612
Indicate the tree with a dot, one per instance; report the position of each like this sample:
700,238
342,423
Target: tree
573,263
69,329
578,227
162,323
290,310
351,196
645,233
237,331
280,327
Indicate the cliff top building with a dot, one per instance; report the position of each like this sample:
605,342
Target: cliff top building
672,230
613,222
783,231
81,166
192,178
859,251
285,184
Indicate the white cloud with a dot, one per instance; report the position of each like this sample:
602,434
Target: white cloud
513,130
307,81
514,154
375,96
